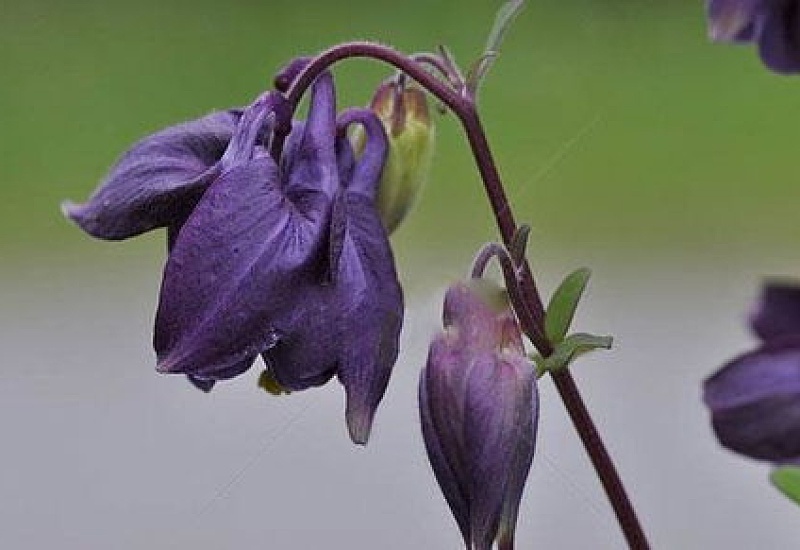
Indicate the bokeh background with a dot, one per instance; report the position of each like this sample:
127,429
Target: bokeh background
628,142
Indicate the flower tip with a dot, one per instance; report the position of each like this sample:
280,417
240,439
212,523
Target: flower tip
166,366
359,423
68,209
87,218
203,384
76,213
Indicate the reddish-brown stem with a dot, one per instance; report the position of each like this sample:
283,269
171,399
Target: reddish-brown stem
463,105
565,384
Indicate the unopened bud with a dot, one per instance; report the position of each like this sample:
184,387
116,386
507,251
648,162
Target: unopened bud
403,110
479,409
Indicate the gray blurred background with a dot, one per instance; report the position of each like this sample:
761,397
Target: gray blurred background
628,142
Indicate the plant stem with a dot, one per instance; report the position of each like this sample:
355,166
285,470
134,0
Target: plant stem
563,380
463,105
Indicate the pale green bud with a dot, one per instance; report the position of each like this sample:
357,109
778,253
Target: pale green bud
403,110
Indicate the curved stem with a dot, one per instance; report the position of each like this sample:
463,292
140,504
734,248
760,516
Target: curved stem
464,107
485,255
415,70
511,275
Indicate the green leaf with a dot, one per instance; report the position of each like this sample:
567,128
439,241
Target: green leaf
563,303
787,480
502,22
570,348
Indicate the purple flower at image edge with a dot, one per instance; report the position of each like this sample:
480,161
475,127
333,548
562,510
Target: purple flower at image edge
754,400
774,25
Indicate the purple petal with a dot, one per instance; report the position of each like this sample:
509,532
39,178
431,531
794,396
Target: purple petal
777,312
755,402
527,421
246,264
202,384
207,384
734,20
367,173
310,164
159,180
370,300
363,273
441,401
305,354
779,40
345,157
491,440
210,317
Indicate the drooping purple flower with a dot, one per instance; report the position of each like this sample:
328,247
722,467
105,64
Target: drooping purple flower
755,399
287,259
479,410
773,24
290,263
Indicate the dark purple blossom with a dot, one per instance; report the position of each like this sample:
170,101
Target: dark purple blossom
158,181
755,399
287,260
479,411
773,24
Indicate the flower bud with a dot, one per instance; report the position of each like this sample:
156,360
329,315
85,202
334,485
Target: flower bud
404,112
479,410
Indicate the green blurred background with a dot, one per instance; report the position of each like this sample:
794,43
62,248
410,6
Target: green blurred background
615,123
628,141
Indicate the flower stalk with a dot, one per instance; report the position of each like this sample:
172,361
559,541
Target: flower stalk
462,102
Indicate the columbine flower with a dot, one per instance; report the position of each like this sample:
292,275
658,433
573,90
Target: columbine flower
773,24
755,399
284,260
479,410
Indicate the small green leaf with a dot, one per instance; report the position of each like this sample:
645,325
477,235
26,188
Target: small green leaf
573,346
502,22
787,480
563,303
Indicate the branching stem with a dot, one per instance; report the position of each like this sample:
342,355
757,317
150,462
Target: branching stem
531,316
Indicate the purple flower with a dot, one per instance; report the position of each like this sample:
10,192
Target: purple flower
479,410
755,399
158,182
773,24
287,260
